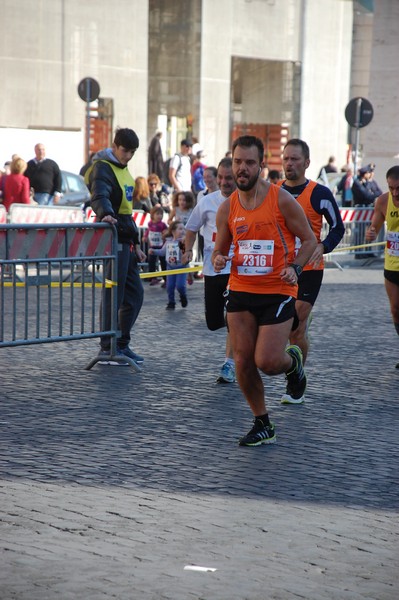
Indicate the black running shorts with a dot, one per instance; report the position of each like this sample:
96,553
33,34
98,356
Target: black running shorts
392,276
214,289
309,285
268,309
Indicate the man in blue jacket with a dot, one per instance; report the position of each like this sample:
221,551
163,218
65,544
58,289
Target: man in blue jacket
111,186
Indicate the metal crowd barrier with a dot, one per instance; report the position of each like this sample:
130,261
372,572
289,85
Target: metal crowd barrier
37,304
356,220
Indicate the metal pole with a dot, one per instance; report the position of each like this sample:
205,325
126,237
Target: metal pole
87,119
357,124
356,150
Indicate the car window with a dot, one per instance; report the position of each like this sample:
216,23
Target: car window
74,183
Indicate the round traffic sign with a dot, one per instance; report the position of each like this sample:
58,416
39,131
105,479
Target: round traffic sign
88,89
359,112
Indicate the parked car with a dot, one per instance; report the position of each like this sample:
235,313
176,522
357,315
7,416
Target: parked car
74,190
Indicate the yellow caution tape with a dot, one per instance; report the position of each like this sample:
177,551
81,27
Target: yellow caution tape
346,248
171,272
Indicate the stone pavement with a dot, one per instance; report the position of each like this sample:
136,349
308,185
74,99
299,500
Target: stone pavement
113,482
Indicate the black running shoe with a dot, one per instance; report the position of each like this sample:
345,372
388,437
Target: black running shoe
170,306
259,434
296,378
183,301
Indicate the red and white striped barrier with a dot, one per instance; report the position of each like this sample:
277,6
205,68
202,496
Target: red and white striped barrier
140,217
356,215
30,214
54,242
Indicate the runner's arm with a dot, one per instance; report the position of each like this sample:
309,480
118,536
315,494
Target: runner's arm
189,243
220,254
324,203
378,218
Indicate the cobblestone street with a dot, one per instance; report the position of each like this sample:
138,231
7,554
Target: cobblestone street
113,482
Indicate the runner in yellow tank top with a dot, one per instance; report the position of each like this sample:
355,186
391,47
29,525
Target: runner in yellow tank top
261,221
387,209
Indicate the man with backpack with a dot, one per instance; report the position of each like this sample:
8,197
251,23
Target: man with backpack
180,168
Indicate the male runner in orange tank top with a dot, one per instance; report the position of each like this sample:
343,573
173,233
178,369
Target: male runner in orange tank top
262,221
318,202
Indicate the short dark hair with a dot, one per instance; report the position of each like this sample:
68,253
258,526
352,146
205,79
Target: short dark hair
226,162
274,174
393,172
247,141
127,138
213,170
302,144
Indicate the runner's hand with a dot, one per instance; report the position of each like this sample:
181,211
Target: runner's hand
219,262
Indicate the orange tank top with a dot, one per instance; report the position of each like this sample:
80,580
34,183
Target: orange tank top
263,246
314,219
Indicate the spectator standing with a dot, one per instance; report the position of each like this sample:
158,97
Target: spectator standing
197,173
3,174
153,236
180,168
203,218
16,185
262,221
211,185
196,147
318,202
363,195
345,187
141,195
173,250
182,207
45,177
330,167
210,180
158,195
375,188
387,209
362,190
155,157
111,186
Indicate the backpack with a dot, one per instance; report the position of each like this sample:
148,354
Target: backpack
166,167
198,179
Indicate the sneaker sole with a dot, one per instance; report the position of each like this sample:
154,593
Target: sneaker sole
286,399
223,380
260,443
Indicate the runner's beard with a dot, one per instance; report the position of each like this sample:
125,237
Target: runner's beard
249,185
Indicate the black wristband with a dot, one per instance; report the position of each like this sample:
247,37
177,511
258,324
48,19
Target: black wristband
297,268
